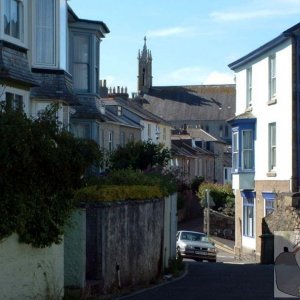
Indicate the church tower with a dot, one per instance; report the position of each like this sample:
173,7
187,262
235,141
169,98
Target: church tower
144,69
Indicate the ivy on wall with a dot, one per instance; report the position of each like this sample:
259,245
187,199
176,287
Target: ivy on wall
40,167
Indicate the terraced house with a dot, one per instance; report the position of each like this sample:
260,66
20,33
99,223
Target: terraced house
47,55
265,134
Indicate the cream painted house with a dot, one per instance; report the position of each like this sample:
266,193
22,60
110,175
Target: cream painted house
265,134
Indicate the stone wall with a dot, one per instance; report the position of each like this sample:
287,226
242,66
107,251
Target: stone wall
219,224
124,244
285,217
30,273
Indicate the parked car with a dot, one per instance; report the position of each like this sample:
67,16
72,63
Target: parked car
195,245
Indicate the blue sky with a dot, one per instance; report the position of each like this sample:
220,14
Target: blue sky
192,41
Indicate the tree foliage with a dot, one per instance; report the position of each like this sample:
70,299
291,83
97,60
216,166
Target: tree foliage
40,166
222,196
139,155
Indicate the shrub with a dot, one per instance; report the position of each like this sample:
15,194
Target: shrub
139,155
118,193
221,194
40,166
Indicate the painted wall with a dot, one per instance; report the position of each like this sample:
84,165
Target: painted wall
30,273
75,250
280,112
170,228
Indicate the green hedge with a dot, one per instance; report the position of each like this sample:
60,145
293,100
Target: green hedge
118,193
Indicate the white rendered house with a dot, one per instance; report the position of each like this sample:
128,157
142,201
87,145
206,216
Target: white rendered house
265,133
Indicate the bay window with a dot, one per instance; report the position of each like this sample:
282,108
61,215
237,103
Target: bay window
44,33
81,60
14,19
235,151
247,149
243,135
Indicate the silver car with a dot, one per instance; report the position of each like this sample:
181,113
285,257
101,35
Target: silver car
195,245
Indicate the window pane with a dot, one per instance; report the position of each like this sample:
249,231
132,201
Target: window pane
80,76
45,32
13,18
248,217
81,49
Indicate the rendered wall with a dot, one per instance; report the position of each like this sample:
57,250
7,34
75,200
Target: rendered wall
30,273
75,250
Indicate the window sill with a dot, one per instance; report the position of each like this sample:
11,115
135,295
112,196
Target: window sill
271,174
249,108
272,101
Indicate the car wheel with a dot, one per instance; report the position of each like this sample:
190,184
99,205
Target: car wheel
178,254
212,261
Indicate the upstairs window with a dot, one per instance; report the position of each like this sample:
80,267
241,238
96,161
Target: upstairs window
81,66
249,88
272,146
235,151
272,77
243,136
14,19
44,33
247,149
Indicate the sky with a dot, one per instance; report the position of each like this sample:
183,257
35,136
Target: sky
191,41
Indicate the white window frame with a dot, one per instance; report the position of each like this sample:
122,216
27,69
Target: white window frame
22,41
24,94
235,151
249,150
246,232
272,77
55,50
110,141
249,87
272,146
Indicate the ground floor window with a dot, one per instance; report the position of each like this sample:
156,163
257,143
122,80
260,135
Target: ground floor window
248,216
269,198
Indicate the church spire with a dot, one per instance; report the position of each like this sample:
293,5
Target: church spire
144,69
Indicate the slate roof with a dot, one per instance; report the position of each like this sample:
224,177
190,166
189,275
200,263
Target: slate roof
14,65
54,85
262,50
183,147
191,102
136,108
244,116
89,108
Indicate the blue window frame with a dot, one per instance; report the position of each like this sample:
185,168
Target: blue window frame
243,135
269,198
248,213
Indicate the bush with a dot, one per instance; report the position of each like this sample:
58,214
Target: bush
40,167
118,193
139,155
221,194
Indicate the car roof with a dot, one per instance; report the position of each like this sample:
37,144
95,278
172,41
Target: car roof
190,231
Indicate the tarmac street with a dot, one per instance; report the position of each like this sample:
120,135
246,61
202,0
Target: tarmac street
211,281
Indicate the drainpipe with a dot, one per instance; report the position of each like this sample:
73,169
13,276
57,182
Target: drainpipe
294,186
119,276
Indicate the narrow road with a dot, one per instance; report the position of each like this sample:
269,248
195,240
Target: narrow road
216,281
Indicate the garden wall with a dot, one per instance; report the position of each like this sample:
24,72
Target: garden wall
219,224
124,243
30,273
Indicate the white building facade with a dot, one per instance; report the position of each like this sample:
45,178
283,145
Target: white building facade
265,142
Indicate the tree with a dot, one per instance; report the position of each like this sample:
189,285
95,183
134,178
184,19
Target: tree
40,167
139,155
